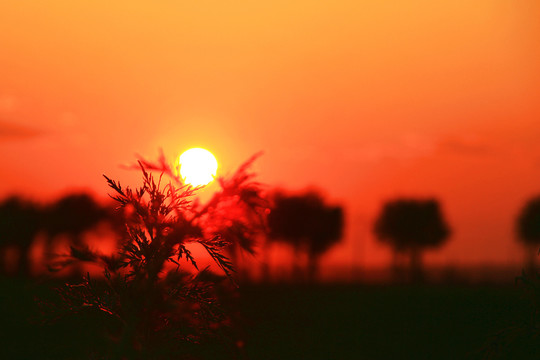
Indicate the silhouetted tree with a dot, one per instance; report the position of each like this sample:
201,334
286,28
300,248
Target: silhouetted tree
411,226
19,224
307,223
528,229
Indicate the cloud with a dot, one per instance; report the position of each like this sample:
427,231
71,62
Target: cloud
404,148
465,145
11,131
8,103
412,146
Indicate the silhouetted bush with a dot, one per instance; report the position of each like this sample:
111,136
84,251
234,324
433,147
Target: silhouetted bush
154,302
520,341
72,216
20,221
411,226
528,229
307,223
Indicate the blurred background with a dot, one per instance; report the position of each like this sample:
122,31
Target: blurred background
407,131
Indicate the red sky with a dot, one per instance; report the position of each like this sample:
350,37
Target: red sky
366,100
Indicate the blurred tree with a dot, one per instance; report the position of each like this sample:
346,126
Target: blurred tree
528,229
19,224
308,224
410,226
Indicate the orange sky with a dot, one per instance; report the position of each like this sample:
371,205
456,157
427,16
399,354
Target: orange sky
366,100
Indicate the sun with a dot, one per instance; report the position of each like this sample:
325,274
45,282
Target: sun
197,166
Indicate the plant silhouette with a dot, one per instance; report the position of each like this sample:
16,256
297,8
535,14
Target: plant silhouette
19,223
528,229
308,224
411,226
155,301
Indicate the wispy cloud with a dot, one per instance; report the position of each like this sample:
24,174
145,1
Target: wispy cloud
12,131
412,146
465,145
8,103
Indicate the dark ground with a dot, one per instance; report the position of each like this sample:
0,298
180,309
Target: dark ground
323,322
381,322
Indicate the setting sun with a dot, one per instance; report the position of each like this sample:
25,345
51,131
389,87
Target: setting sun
197,166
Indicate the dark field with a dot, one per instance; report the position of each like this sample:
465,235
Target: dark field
379,322
321,322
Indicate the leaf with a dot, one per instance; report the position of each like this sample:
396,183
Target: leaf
221,260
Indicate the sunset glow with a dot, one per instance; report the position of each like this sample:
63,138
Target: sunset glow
197,166
395,198
367,101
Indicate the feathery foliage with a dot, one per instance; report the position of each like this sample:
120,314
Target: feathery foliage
156,301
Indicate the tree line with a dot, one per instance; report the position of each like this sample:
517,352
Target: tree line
304,221
71,217
410,226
